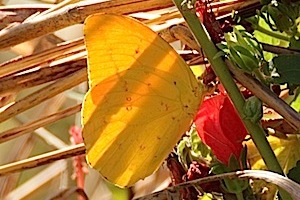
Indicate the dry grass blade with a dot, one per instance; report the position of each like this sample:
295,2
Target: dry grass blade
43,58
50,138
12,14
73,14
27,128
59,5
285,183
279,50
42,159
229,6
37,180
12,84
44,94
20,150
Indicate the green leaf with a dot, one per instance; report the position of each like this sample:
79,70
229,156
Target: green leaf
244,51
294,173
233,163
237,60
263,33
249,62
219,54
296,103
222,46
206,196
295,44
199,149
230,185
265,2
192,148
288,68
240,39
253,109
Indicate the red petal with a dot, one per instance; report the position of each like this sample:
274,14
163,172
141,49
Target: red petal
231,123
219,126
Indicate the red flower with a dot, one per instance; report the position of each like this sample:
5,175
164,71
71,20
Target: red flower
79,163
220,127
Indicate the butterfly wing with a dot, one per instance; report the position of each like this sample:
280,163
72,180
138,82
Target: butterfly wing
142,98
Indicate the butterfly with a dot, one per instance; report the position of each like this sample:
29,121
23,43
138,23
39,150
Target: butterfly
142,98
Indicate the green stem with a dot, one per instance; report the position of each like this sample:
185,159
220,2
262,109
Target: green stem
260,77
271,33
239,196
221,70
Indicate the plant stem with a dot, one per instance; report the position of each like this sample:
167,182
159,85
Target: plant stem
260,77
271,33
239,196
221,70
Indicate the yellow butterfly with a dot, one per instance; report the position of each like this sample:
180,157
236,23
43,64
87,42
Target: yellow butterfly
142,97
